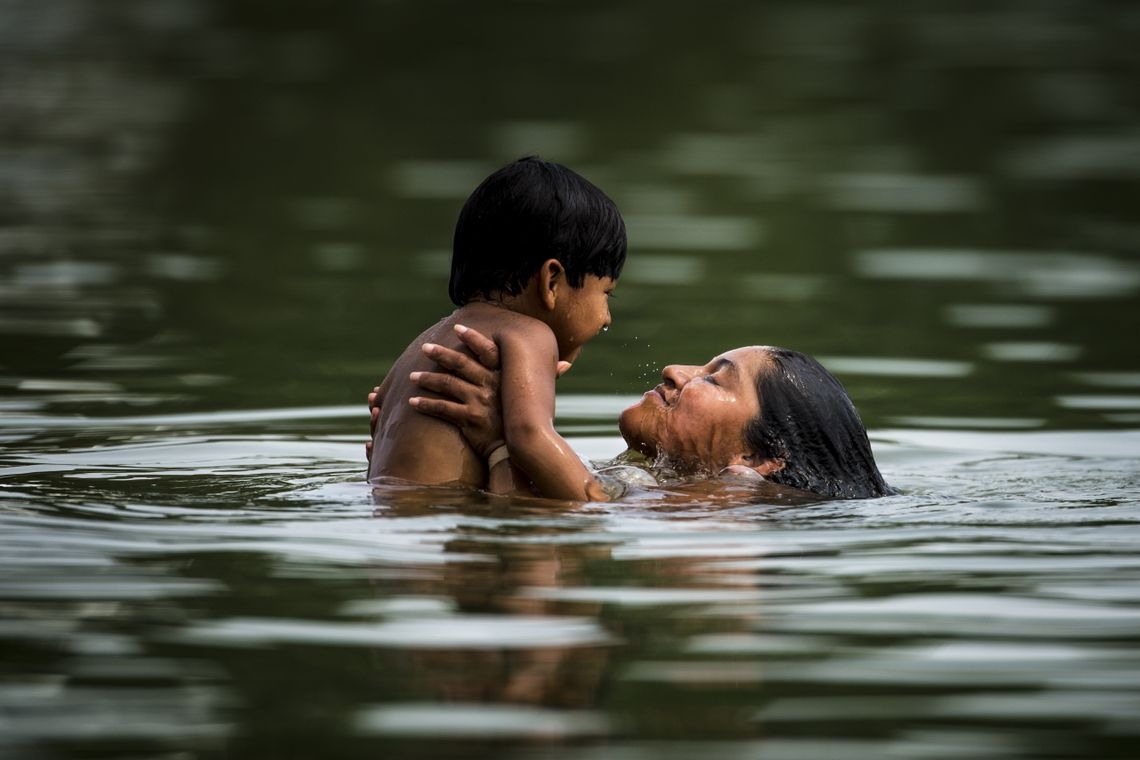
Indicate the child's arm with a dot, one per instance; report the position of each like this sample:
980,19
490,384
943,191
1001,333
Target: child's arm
529,356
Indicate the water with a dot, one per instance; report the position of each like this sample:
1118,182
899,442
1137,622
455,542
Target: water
221,226
239,588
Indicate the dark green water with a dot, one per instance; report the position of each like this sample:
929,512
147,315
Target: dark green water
221,222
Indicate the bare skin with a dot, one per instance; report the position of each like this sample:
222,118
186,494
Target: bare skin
468,390
695,418
416,447
535,330
475,412
700,420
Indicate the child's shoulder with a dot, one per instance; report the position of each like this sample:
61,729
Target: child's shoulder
528,334
516,334
503,324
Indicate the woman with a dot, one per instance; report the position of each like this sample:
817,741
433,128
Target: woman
758,410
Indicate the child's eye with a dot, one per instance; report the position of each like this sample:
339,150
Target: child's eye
610,294
711,379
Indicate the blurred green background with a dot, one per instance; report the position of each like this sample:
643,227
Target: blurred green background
213,204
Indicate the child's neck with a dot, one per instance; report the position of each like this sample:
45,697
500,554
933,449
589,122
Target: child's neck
526,303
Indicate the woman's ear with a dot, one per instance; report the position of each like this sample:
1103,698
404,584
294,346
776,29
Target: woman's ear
551,281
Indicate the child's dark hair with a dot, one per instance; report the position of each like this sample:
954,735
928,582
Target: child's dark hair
807,420
525,213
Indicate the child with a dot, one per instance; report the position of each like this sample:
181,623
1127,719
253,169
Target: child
536,255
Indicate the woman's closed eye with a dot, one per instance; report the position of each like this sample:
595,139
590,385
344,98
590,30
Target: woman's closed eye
715,373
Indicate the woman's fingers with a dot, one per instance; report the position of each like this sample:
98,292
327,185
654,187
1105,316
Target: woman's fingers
444,384
373,419
449,411
483,347
373,410
562,368
459,364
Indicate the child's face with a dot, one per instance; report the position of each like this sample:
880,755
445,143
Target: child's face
581,314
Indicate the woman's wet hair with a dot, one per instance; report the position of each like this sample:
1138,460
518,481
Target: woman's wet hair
525,213
807,420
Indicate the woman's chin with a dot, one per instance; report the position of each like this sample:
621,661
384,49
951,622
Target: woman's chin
624,424
631,425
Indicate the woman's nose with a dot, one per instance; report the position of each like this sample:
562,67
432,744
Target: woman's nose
677,375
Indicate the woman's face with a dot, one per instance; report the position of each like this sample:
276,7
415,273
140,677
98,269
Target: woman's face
697,417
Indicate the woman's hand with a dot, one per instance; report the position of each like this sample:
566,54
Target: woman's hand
374,405
470,387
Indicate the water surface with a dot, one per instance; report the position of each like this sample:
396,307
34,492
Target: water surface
221,225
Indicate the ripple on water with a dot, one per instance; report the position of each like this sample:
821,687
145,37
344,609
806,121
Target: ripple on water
1003,316
1110,379
904,193
963,614
479,721
895,366
915,604
57,713
435,632
1099,401
1031,351
1043,274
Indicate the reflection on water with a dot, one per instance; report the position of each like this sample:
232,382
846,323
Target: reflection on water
219,227
854,182
896,193
446,632
690,232
171,588
999,315
895,367
1031,352
1040,275
479,721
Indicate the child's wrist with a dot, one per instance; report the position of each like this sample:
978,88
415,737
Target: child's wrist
498,453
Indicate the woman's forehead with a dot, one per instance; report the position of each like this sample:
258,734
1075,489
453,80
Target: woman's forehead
745,358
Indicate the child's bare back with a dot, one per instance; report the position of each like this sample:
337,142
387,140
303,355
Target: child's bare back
420,448
535,258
